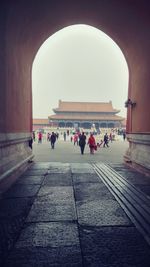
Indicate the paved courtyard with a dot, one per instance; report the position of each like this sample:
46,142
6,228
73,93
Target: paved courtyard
66,152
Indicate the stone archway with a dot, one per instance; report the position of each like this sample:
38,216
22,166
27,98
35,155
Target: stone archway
26,25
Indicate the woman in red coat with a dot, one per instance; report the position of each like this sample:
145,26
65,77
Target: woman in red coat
92,143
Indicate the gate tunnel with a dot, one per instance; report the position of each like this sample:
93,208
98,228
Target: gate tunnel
24,26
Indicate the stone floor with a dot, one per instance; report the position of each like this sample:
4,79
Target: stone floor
61,214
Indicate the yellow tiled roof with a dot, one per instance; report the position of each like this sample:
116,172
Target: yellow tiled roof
85,117
85,107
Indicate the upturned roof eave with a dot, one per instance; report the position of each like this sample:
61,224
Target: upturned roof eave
55,117
57,110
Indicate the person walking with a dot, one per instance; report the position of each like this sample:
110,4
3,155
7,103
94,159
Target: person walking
110,137
30,142
106,140
76,139
39,138
53,140
48,137
91,143
64,136
33,136
124,135
82,142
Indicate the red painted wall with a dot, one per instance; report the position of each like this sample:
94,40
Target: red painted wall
30,23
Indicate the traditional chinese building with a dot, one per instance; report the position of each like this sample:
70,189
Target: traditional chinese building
85,115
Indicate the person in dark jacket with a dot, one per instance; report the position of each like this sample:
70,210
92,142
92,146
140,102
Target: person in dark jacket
30,142
53,140
82,142
106,140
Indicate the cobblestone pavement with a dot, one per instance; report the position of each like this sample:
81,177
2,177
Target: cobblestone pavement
61,214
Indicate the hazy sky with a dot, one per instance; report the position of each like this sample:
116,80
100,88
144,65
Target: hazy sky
78,63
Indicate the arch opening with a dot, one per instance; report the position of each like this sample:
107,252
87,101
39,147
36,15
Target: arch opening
79,63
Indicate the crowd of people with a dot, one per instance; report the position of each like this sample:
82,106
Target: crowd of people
78,138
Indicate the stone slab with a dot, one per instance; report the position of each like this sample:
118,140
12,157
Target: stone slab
30,180
81,168
13,212
85,178
141,181
47,244
92,191
101,213
53,234
45,257
13,208
114,247
131,175
47,212
22,190
59,164
38,172
135,178
40,165
59,167
59,170
57,194
58,179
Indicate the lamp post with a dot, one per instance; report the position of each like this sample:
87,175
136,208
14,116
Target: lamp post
129,103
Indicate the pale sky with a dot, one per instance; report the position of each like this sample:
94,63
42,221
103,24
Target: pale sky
78,63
